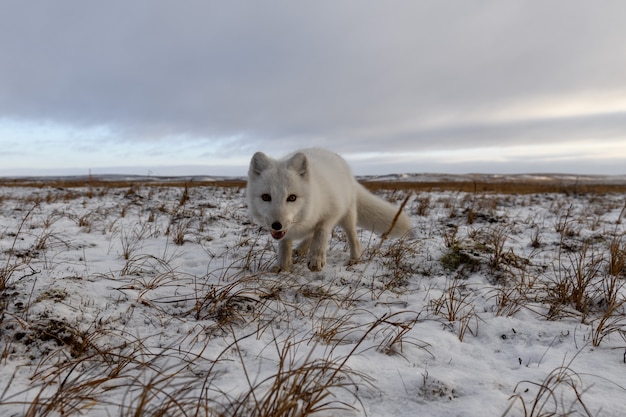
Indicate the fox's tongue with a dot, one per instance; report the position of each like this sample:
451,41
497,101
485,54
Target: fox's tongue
278,234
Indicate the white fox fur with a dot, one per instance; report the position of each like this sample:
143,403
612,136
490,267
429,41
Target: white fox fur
303,196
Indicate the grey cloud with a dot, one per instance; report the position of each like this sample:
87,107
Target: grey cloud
332,73
526,132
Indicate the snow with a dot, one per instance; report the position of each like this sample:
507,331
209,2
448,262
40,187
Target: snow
124,300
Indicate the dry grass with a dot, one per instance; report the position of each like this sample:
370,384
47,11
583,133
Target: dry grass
455,306
520,185
560,394
499,187
95,186
300,387
16,261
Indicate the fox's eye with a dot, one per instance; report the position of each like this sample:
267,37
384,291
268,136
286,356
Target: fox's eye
291,198
266,197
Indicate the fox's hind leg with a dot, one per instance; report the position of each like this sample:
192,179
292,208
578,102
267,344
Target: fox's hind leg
303,247
348,224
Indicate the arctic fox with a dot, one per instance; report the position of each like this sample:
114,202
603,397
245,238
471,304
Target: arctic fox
303,196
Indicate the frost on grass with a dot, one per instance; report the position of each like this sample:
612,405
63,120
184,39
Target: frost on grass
157,300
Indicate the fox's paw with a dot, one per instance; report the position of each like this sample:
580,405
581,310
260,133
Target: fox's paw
353,262
303,248
316,263
299,253
277,268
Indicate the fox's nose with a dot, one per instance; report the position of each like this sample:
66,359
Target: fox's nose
277,226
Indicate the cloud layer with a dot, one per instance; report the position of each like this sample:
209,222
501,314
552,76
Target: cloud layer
357,76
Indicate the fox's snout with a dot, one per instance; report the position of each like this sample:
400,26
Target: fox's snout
277,231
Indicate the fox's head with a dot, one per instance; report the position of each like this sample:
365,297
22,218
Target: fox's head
278,191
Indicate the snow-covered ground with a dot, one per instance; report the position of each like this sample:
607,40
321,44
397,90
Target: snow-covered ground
156,300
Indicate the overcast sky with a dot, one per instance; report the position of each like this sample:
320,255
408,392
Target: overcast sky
196,87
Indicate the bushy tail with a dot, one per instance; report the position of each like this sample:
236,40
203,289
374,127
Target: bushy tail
378,215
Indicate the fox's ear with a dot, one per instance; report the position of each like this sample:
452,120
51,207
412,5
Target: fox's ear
259,163
299,163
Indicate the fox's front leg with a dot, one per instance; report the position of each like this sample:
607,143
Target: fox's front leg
284,256
317,251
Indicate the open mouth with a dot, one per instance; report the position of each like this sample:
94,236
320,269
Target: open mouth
276,234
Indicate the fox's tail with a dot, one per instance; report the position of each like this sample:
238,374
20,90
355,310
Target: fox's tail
377,215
